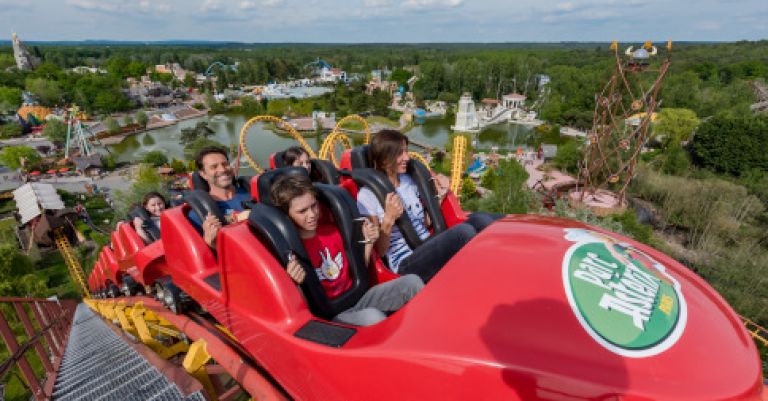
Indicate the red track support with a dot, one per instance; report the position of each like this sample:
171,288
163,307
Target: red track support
54,319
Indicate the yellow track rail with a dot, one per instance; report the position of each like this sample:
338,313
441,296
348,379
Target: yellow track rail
758,332
355,117
75,270
329,145
280,123
338,137
419,157
457,163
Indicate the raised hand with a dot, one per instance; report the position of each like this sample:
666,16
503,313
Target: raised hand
294,270
370,231
442,184
211,226
393,206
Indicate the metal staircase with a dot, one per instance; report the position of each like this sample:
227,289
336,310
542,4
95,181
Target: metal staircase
100,365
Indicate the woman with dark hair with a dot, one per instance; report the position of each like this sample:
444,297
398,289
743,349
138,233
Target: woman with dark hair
389,155
154,203
297,156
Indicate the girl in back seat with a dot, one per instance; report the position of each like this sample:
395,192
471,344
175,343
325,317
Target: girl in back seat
298,157
154,203
389,155
297,198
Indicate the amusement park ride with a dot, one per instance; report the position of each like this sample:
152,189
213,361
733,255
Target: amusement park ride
533,308
623,114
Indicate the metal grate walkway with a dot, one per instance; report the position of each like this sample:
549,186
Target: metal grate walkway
99,365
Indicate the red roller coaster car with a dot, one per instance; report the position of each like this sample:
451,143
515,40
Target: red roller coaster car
533,308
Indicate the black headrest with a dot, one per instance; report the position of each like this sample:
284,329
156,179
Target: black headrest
379,184
360,157
138,211
324,171
279,159
202,204
267,178
428,194
280,235
199,183
151,229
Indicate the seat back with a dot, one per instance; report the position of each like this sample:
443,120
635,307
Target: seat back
151,229
278,233
266,179
277,159
428,194
324,171
202,204
360,157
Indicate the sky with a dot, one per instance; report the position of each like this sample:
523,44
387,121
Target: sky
376,21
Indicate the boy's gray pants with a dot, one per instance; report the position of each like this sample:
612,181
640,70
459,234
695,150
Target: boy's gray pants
381,298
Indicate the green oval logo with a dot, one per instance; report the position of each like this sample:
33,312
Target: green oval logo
622,297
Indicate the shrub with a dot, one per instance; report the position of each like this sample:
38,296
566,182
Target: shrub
468,188
731,144
568,157
676,161
156,158
510,194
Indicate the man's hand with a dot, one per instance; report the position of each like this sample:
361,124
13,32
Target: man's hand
295,271
242,215
211,226
393,207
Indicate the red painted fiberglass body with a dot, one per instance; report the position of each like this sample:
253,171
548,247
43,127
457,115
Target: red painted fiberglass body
533,308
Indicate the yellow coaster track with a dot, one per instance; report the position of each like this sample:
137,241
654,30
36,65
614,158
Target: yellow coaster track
337,136
758,332
280,123
457,163
75,270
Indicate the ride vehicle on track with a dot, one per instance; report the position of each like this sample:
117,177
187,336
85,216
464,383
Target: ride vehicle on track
532,308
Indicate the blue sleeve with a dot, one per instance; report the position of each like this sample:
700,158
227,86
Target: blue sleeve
195,220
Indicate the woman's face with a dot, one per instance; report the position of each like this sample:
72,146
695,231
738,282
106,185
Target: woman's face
401,163
155,206
303,161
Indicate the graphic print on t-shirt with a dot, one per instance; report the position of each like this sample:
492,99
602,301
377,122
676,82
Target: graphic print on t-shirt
369,205
326,252
331,267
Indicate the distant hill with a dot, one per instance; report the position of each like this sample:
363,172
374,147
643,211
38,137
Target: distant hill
439,45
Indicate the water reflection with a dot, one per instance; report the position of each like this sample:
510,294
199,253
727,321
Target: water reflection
262,141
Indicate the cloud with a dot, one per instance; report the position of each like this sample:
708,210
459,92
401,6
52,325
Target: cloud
272,3
94,5
211,5
377,3
247,5
431,3
111,7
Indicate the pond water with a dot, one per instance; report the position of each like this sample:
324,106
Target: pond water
262,142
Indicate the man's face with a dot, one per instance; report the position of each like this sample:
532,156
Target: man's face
216,171
304,211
